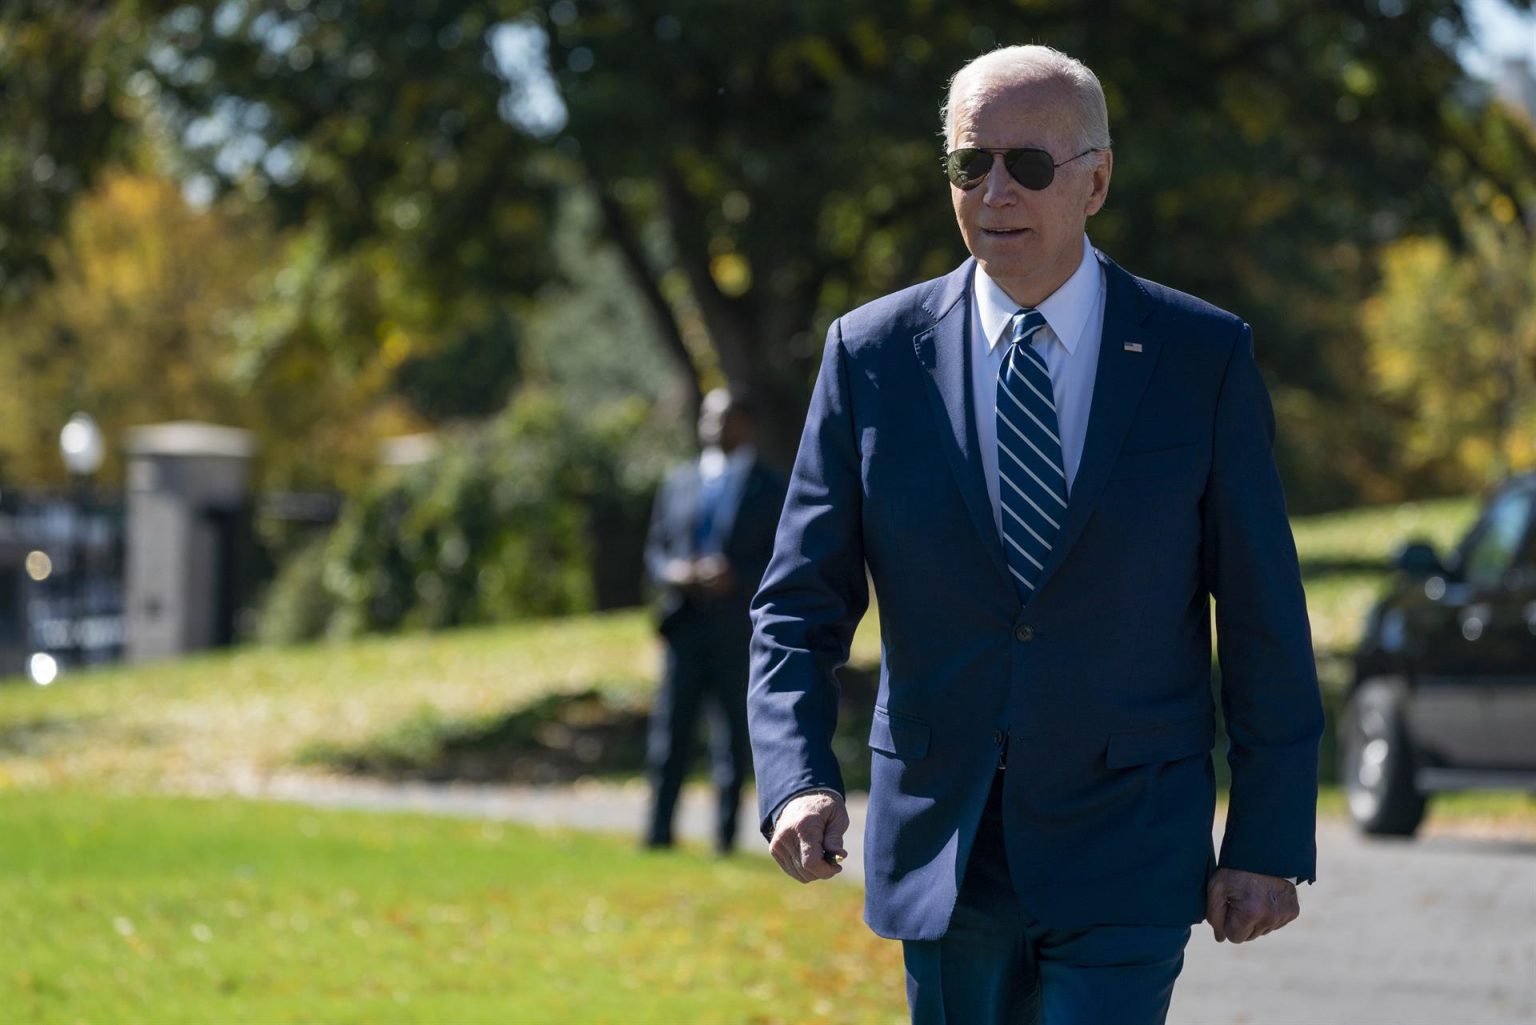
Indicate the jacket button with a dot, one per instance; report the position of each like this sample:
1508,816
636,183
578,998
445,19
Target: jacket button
997,737
1024,632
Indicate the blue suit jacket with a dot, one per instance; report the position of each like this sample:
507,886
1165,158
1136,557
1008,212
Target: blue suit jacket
1101,683
747,544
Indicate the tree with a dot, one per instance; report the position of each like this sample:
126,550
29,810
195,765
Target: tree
376,127
764,167
67,109
761,168
149,318
790,154
1452,346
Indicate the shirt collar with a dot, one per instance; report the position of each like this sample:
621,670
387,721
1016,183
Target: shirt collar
1066,310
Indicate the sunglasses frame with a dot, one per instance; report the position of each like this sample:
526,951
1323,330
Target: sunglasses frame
1010,155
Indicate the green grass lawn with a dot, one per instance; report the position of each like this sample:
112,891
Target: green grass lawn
184,910
214,720
222,722
1344,559
127,906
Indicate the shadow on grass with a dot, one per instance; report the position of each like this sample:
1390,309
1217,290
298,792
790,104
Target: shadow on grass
556,739
35,738
598,734
560,738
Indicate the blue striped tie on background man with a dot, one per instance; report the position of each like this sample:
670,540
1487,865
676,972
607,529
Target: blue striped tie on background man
1046,527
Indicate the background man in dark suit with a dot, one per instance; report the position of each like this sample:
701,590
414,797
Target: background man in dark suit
1048,468
711,536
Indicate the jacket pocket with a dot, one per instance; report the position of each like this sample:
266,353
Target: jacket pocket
1166,743
899,735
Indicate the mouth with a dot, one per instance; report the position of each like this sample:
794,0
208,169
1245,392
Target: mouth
1003,232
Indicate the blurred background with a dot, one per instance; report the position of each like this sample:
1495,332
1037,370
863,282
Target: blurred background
329,325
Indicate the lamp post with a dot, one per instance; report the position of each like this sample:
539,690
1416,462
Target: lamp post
81,445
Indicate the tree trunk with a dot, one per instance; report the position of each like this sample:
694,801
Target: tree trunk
751,349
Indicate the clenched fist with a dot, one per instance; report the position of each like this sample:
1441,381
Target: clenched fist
1243,906
810,827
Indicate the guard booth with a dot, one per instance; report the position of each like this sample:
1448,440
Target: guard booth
189,541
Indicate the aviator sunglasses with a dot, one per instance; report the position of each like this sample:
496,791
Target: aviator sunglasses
1032,168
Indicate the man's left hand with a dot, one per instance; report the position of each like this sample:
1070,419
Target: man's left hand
1243,906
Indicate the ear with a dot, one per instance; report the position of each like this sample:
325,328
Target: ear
1101,175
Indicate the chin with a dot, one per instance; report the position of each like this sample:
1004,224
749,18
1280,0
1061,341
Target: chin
1008,268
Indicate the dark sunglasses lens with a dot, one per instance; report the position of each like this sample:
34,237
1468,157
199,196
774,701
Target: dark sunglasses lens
1032,168
966,167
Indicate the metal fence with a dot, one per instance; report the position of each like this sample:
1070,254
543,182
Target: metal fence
61,584
63,563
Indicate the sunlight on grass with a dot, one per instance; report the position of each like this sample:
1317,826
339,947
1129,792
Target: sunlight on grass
229,718
1337,605
150,909
1376,532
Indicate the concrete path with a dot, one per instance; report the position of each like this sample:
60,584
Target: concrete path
1440,931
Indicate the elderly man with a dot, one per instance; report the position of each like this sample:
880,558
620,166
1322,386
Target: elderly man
1048,468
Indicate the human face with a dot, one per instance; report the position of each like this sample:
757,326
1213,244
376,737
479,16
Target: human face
712,416
723,424
1028,242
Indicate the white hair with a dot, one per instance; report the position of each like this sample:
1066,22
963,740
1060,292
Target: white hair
1011,65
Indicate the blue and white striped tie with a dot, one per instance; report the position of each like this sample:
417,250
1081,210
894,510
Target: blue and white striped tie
1032,486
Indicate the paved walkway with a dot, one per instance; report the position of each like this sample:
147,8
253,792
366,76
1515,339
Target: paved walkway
1441,931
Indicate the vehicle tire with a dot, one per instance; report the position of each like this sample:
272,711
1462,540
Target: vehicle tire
1377,761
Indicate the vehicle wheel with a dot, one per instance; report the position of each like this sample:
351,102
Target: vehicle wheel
1377,761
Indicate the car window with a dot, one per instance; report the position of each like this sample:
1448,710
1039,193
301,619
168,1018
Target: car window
1491,548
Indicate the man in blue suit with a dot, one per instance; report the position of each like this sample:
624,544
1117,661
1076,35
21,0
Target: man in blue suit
1048,468
710,537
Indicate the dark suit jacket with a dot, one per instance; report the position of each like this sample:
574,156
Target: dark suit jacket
747,545
1102,681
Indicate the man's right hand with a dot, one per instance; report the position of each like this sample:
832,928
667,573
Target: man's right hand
678,573
808,827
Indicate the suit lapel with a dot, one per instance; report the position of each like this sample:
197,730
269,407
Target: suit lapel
945,352
744,500
1121,379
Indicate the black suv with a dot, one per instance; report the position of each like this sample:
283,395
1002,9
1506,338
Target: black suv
1445,677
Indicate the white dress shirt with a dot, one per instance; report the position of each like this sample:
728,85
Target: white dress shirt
1074,323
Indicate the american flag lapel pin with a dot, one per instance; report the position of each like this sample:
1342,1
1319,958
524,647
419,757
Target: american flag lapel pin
1132,346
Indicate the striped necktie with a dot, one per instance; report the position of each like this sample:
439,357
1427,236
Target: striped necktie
1032,486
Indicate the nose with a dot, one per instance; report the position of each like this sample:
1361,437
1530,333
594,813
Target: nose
999,185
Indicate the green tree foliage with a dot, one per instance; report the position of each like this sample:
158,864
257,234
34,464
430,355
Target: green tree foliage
376,127
1452,348
1265,150
125,328
148,319
507,521
763,167
67,107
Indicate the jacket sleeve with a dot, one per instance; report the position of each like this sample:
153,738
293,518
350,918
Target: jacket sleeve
657,544
1269,692
812,596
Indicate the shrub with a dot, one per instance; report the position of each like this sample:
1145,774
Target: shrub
526,516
